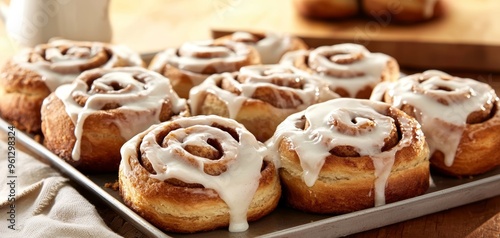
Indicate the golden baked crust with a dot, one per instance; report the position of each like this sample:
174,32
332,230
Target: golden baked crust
107,126
21,96
193,62
346,181
100,141
259,97
177,206
30,76
460,117
352,71
327,9
478,149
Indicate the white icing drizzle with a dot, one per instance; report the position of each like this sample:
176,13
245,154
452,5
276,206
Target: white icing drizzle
139,102
313,144
244,157
192,58
443,125
365,69
271,48
250,78
58,68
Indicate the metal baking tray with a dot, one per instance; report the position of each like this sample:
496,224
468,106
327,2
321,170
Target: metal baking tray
285,222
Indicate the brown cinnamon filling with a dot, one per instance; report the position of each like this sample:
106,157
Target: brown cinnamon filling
482,114
229,130
345,57
213,153
72,52
358,128
254,38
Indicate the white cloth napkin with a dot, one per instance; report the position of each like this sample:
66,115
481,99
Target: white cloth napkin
45,205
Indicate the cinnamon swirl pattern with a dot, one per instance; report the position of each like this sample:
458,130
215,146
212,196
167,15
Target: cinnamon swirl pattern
459,117
350,154
260,96
350,69
31,75
198,173
87,122
271,46
191,63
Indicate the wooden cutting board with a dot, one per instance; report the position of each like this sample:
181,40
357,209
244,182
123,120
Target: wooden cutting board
466,38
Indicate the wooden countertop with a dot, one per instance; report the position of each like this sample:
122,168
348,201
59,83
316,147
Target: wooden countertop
156,24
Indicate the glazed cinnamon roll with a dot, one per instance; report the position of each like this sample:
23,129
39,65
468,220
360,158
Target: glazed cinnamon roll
87,122
198,173
350,154
191,63
350,69
260,96
271,46
31,75
459,117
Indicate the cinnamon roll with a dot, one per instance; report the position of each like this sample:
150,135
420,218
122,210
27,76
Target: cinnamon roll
459,117
198,173
350,154
31,75
87,122
191,63
350,69
260,96
271,46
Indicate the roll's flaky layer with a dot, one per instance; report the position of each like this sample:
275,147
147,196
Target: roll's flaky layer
260,96
346,154
191,63
198,173
350,70
30,76
459,117
87,122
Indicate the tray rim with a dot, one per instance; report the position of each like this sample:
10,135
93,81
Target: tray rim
334,226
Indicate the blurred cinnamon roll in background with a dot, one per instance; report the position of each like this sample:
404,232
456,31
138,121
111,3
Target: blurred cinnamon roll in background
271,46
390,11
191,63
327,9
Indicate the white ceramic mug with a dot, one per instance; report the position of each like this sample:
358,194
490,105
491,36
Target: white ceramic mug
32,22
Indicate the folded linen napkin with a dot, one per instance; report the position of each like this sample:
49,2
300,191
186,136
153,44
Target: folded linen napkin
44,204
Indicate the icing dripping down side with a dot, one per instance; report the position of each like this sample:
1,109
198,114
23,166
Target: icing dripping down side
244,157
314,143
140,103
